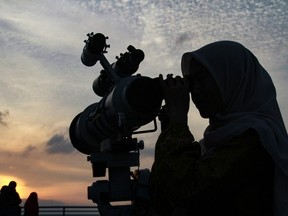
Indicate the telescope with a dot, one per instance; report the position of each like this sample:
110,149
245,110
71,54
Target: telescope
104,130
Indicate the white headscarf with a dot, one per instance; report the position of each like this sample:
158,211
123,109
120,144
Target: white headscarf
249,99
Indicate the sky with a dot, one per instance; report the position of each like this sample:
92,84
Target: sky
44,85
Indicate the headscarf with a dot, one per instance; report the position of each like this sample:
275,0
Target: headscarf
31,206
249,101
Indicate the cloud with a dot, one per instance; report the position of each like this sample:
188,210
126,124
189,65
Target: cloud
59,143
162,24
29,150
51,175
3,116
182,38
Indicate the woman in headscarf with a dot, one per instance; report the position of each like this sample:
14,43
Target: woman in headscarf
31,206
241,165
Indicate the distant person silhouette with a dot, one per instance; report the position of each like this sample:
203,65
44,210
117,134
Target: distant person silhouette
10,200
241,165
14,198
31,206
4,209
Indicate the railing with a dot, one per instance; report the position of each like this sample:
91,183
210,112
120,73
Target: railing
67,211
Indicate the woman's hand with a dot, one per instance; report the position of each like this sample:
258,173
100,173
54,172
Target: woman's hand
176,96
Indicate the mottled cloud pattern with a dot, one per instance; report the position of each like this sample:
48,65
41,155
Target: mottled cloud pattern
259,24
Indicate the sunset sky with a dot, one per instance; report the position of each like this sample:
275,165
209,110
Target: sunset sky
43,83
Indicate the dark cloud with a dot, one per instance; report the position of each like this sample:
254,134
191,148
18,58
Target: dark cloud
29,150
59,143
182,39
3,116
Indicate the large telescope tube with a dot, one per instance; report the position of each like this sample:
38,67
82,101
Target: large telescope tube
132,103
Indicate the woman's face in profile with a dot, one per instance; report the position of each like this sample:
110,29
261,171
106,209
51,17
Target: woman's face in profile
204,91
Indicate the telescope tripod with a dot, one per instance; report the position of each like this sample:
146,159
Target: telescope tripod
122,185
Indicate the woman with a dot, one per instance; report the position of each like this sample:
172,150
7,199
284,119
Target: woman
246,142
31,206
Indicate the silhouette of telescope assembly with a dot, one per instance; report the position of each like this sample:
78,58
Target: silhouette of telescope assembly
104,130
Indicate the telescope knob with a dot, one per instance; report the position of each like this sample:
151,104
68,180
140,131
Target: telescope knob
141,144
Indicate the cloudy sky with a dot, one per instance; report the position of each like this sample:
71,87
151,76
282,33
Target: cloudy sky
43,83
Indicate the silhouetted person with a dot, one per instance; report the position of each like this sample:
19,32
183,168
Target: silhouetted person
14,198
31,206
10,200
241,165
4,210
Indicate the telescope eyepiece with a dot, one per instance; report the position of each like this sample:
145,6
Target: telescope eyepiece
137,55
94,45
